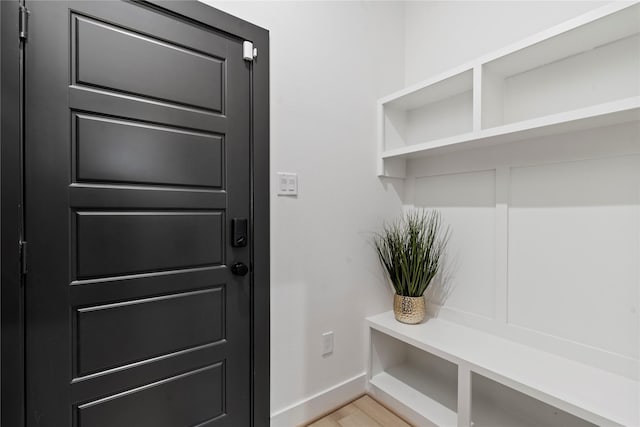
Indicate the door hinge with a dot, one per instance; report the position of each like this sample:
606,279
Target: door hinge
249,53
23,257
23,22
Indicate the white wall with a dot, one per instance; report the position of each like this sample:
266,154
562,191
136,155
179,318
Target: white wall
546,232
330,61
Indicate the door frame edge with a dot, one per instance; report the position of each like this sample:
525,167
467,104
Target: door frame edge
11,320
261,232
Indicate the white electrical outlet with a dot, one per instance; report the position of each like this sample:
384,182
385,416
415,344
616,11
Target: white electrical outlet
287,184
327,343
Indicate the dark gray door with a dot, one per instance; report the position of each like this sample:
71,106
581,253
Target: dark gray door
137,157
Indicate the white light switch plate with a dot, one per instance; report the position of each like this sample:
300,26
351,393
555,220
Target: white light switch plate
287,184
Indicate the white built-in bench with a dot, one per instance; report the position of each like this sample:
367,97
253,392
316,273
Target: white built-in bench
441,373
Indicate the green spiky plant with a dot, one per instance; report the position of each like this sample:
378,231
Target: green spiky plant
411,249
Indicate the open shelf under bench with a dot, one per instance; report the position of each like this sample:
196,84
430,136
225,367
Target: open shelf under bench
423,366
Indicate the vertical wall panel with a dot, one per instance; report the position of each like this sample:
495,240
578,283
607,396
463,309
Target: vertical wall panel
574,251
467,203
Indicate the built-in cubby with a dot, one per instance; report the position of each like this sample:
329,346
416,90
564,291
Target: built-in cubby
426,381
578,75
439,373
436,111
583,67
496,405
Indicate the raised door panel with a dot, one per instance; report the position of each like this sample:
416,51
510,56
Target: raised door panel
109,150
113,335
120,243
113,58
189,399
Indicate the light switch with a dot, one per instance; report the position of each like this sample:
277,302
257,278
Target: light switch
287,184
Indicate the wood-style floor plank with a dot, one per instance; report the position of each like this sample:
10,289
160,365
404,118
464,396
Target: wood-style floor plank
379,413
325,422
343,412
363,412
358,419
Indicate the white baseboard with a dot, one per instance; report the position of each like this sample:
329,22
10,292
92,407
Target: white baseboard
320,403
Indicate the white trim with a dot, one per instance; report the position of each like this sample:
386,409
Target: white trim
320,403
464,395
638,278
380,138
503,178
477,98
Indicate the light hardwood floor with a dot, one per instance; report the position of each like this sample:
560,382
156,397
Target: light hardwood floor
363,412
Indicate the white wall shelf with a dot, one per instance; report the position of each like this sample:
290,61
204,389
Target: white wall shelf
430,353
607,114
578,75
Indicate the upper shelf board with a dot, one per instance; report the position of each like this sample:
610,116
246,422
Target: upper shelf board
434,91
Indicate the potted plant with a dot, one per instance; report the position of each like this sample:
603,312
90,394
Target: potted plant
411,249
